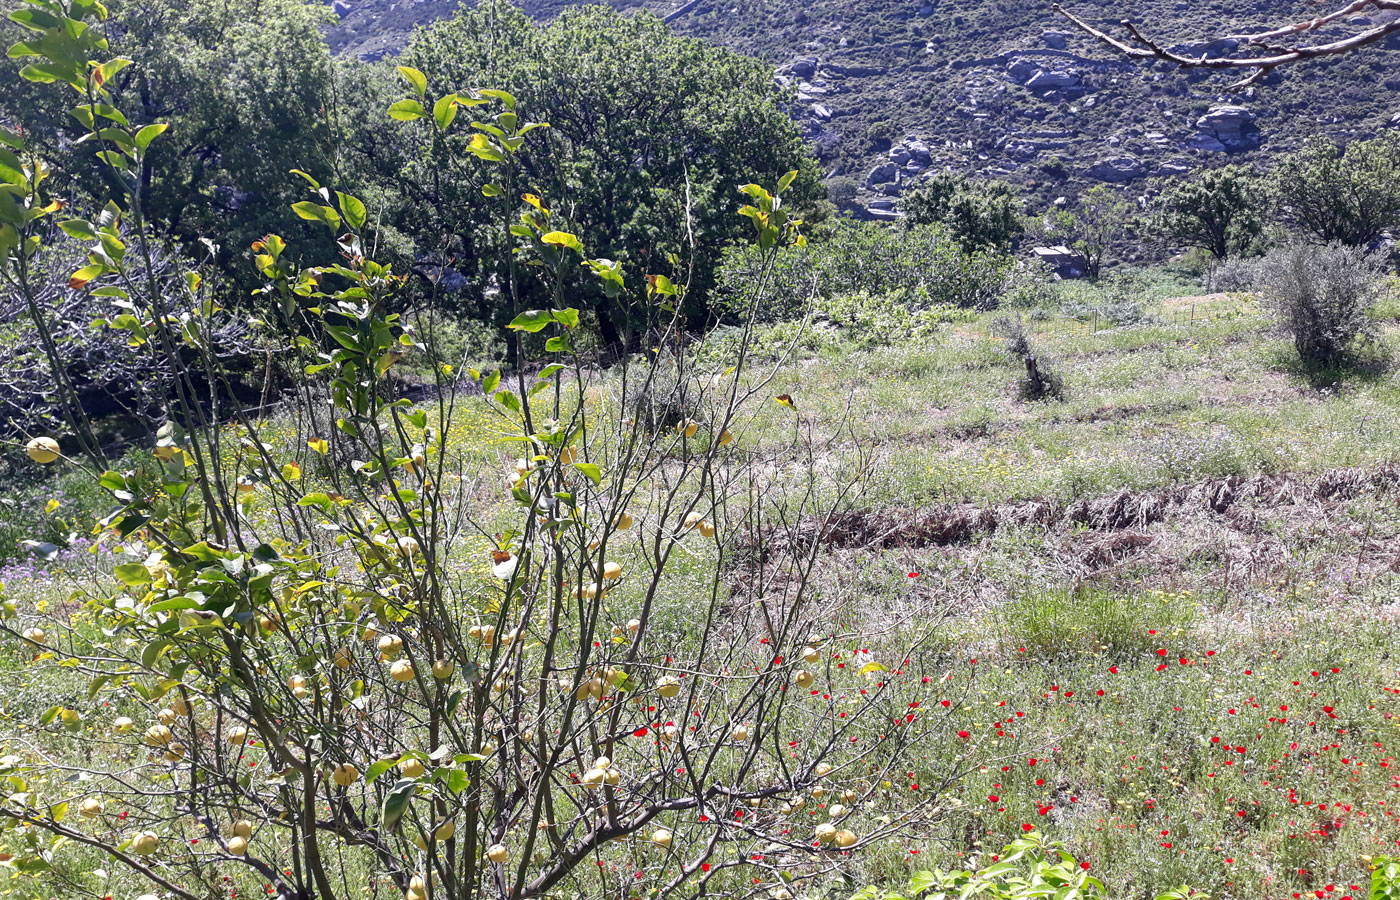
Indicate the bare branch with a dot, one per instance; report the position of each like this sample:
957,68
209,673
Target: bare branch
1141,46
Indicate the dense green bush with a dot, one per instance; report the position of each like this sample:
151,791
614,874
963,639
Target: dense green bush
1219,211
981,215
648,135
881,319
1349,195
866,257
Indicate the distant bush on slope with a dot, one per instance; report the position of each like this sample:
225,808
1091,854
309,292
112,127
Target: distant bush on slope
872,258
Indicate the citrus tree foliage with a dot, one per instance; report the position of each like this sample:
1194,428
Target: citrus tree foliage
1032,868
244,91
1219,211
649,134
366,659
1349,195
1385,878
981,215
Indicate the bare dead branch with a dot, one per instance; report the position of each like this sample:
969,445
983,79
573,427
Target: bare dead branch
1140,46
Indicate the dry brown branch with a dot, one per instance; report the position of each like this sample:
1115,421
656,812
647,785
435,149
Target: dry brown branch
1140,46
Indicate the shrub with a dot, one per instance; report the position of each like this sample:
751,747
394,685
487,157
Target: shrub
981,215
1056,624
1115,300
866,257
1028,285
1322,297
1041,381
1331,194
1385,878
881,319
1031,868
1231,275
1218,211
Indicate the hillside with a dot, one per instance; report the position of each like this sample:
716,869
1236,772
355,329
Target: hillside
889,89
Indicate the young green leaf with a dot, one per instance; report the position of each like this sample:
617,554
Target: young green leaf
416,79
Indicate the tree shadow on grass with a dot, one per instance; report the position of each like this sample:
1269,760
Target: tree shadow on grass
1368,363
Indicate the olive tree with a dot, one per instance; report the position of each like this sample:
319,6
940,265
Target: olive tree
348,650
1098,226
1348,195
1218,211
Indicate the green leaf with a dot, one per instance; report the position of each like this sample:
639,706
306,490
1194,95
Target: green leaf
502,96
133,574
416,79
148,134
508,400
354,210
567,317
563,239
532,321
482,147
79,229
314,212
174,604
79,279
786,181
396,802
153,651
11,169
378,769
444,111
315,185
407,111
594,473
557,344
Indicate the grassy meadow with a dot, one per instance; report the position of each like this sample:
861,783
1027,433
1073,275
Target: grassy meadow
1169,603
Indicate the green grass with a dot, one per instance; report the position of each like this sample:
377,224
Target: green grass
1116,666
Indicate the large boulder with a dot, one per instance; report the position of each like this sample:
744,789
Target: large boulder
1055,40
802,67
1049,81
881,174
1021,70
1117,169
1232,128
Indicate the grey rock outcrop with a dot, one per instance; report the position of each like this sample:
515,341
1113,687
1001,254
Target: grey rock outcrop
884,173
1049,81
802,67
1117,169
1229,129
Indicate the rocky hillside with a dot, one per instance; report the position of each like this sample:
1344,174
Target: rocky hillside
891,89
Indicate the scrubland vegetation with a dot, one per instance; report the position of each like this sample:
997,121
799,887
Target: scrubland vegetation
702,545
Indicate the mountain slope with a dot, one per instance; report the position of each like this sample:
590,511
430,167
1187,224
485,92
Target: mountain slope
891,89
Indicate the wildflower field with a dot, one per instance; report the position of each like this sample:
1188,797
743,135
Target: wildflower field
1167,608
